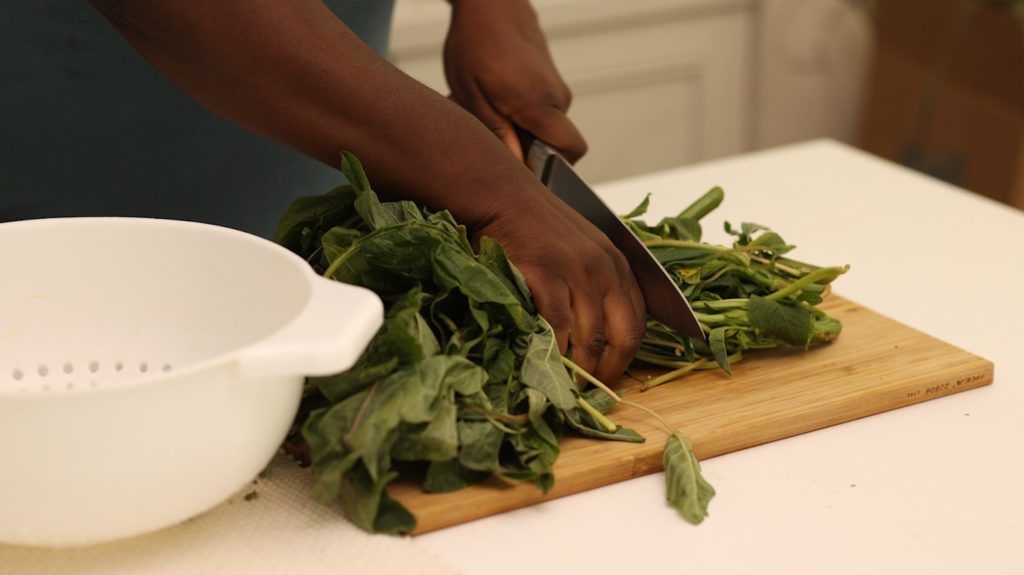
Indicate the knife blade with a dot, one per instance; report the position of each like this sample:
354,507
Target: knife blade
665,302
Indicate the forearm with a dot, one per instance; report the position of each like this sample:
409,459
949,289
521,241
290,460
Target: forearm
293,73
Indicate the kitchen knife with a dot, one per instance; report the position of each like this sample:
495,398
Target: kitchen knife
665,302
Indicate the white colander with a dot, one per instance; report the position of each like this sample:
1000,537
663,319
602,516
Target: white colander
150,368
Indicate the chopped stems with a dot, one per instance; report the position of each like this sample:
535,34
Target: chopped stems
666,377
607,390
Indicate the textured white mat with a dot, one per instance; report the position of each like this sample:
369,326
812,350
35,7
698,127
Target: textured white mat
280,530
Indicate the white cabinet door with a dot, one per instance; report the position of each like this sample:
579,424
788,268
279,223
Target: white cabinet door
656,83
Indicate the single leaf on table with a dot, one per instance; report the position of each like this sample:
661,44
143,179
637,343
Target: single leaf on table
686,489
588,428
599,400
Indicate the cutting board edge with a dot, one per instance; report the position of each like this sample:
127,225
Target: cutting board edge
980,375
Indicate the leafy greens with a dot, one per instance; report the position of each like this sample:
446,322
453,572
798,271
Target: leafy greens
465,377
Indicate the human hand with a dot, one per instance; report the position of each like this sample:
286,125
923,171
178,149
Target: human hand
582,285
499,68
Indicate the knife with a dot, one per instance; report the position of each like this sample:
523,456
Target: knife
665,302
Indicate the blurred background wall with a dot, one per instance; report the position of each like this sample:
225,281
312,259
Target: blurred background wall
934,84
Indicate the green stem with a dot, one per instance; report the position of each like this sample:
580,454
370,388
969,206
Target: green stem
657,360
675,374
704,204
591,379
686,244
827,274
600,385
779,266
605,423
660,361
721,304
338,261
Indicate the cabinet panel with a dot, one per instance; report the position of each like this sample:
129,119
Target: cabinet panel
656,83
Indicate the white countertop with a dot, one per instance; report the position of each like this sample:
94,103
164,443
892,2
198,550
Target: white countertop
937,487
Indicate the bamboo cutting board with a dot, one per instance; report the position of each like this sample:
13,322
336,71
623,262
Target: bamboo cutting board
876,365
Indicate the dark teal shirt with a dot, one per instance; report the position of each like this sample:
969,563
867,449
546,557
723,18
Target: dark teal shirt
89,128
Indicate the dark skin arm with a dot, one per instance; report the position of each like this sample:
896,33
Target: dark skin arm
292,72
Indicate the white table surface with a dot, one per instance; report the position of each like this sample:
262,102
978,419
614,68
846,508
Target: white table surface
937,487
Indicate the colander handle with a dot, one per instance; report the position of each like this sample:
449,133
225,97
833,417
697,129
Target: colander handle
326,337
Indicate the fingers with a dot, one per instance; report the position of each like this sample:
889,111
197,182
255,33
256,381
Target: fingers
554,305
478,105
587,340
550,123
624,328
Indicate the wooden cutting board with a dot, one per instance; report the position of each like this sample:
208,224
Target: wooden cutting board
876,365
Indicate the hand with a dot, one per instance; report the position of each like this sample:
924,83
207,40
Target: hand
498,68
581,283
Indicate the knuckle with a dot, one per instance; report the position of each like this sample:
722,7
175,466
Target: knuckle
594,343
558,318
629,341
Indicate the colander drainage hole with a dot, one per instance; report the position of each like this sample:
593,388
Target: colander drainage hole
143,367
69,367
18,375
94,366
166,368
43,371
118,366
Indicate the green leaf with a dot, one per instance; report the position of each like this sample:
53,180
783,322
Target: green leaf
620,434
789,323
337,240
717,340
599,400
352,168
392,517
308,218
685,487
538,405
447,476
773,242
438,441
542,369
367,505
480,442
640,209
492,256
498,359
